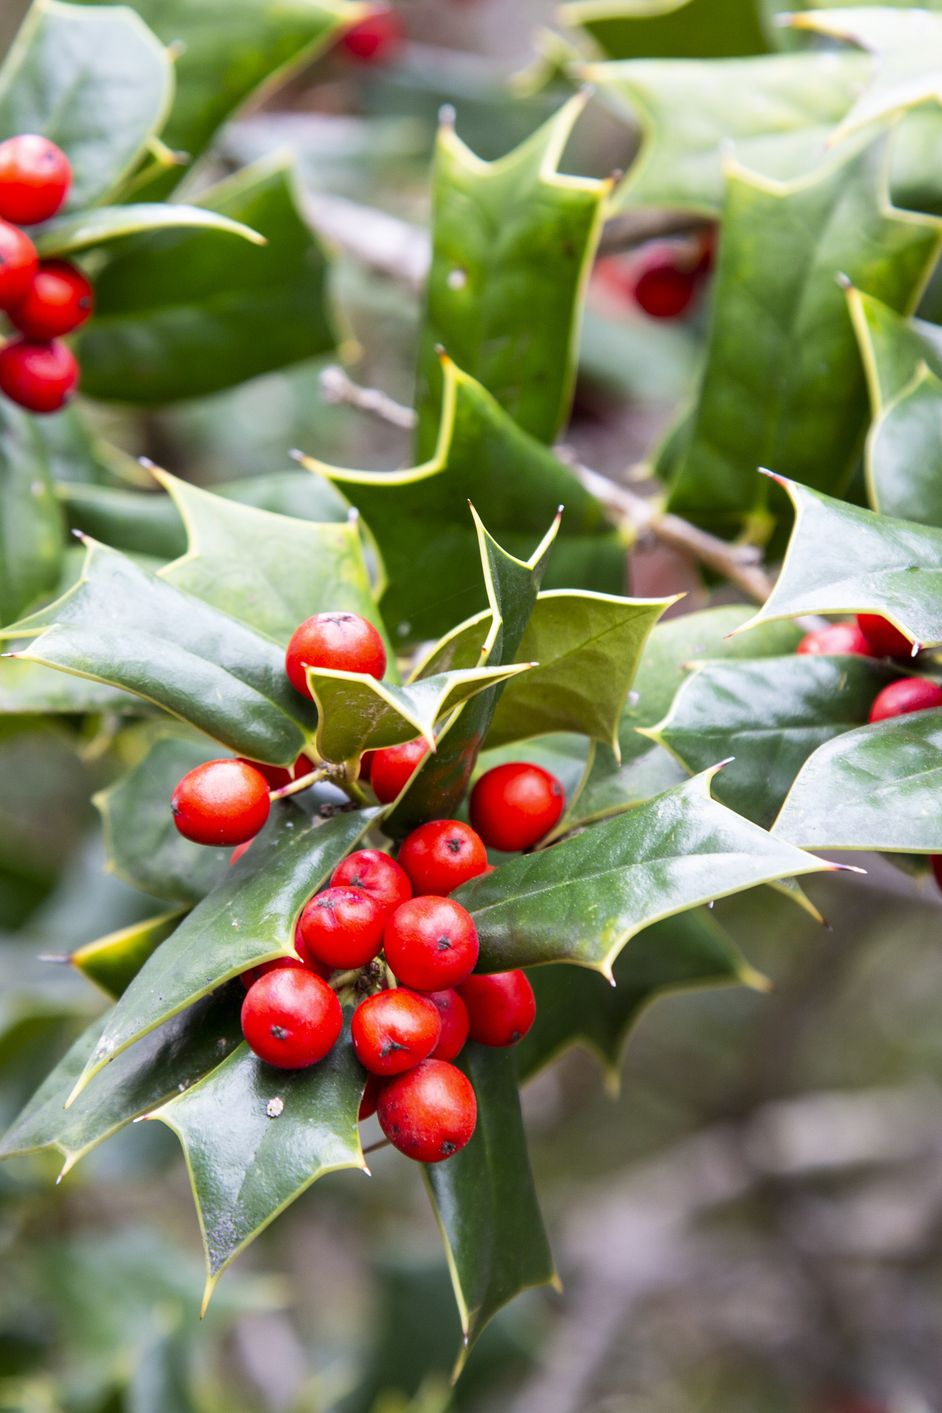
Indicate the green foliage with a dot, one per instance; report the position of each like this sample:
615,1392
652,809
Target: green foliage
30,519
112,962
705,28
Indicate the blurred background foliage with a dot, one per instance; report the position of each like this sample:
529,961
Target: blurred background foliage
750,1224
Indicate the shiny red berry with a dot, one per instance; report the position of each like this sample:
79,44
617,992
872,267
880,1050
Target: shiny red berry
394,1030
430,1112
248,978
884,640
18,264
454,1014
370,1097
379,876
38,376
665,289
836,639
900,698
35,176
221,802
291,1018
514,806
375,39
344,641
501,1007
341,927
441,855
58,300
431,943
392,767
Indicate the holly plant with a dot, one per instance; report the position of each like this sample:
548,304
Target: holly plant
422,798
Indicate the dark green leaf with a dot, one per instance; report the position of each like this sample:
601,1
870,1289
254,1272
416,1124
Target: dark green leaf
701,29
256,1137
112,962
512,244
247,919
31,540
582,899
95,81
486,1204
67,235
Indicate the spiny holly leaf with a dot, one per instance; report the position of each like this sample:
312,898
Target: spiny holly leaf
227,49
908,46
873,788
768,715
512,245
124,626
167,1060
187,312
247,919
701,29
785,389
773,115
112,962
575,1006
30,519
645,768
67,235
419,517
356,713
892,347
270,571
512,585
256,1137
485,1202
843,559
143,844
97,82
582,899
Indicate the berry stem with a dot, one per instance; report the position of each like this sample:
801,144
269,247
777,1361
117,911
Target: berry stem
294,787
375,1147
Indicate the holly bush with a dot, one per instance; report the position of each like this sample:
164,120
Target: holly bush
700,754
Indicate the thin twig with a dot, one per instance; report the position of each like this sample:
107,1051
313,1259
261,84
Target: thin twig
303,782
375,1147
341,390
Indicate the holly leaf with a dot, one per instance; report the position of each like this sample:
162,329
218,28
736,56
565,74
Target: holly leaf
771,115
893,348
582,899
263,39
787,390
357,713
577,1007
28,689
873,788
485,1202
169,1059
419,517
270,571
126,627
512,245
31,544
113,961
144,847
87,230
766,718
256,1137
699,29
249,918
186,312
97,82
844,559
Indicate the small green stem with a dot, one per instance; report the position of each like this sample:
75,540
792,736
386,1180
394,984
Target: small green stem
304,782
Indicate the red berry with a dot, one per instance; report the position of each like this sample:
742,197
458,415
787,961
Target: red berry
393,766
370,1097
375,39
379,876
836,639
429,1113
441,855
38,376
664,289
501,1007
394,1030
454,1014
514,806
291,1018
279,775
340,640
908,694
431,943
221,802
884,640
58,300
248,978
18,264
35,176
342,927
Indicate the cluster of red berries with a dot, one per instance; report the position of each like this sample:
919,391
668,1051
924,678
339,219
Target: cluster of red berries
383,926
663,279
42,299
